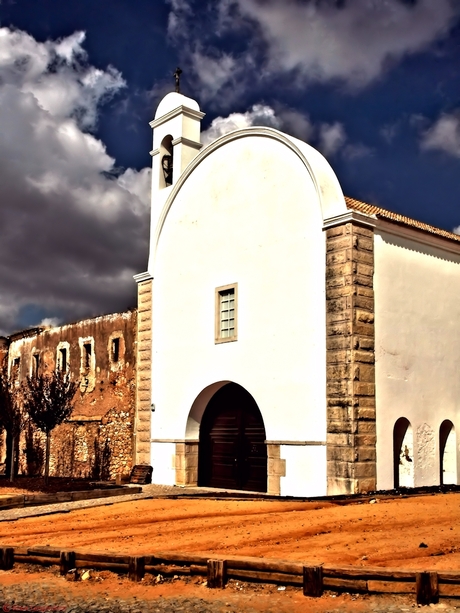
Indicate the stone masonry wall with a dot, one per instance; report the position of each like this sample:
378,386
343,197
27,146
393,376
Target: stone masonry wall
144,366
97,439
351,429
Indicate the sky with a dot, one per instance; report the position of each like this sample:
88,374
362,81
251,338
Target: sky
373,84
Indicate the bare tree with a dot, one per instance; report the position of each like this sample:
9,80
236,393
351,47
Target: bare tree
48,399
11,416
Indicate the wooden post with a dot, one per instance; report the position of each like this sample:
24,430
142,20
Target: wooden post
313,581
66,561
6,558
136,568
217,573
427,588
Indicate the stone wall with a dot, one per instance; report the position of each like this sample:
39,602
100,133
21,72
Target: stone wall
186,463
100,354
275,470
351,427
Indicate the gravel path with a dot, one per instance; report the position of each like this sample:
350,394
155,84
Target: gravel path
148,491
45,596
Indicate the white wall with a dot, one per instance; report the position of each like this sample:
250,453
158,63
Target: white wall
417,334
305,470
249,213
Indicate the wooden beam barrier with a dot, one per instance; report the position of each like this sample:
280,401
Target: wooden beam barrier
313,581
66,562
6,558
264,576
217,573
427,588
136,568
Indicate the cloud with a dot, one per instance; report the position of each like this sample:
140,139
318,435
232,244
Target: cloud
73,227
350,41
444,134
258,115
331,138
389,132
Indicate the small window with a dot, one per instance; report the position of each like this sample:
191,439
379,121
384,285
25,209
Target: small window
63,359
226,305
115,349
15,370
87,355
35,364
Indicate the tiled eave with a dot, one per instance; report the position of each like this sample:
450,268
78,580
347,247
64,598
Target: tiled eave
401,220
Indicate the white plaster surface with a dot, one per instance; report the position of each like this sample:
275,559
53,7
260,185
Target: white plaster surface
164,472
305,470
417,348
249,213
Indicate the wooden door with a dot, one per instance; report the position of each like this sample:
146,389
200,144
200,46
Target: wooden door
233,453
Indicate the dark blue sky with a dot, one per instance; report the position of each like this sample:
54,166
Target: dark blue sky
374,85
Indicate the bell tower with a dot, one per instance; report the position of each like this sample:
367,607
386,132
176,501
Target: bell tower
176,138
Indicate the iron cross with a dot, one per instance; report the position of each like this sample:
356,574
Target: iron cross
177,75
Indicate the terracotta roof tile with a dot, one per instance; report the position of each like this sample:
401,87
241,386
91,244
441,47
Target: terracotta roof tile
372,209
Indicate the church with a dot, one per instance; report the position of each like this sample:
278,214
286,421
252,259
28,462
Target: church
291,340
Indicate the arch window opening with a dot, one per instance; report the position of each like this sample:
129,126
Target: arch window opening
403,453
447,453
35,364
166,161
87,350
63,360
115,349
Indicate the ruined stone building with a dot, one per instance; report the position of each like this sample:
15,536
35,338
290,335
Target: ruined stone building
291,340
100,354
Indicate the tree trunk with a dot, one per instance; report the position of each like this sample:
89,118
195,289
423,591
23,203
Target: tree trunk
9,461
47,457
12,449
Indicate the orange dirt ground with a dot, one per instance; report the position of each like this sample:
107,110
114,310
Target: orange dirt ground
387,533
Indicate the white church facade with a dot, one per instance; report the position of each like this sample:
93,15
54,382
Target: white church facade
290,340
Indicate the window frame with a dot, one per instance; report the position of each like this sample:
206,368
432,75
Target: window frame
219,292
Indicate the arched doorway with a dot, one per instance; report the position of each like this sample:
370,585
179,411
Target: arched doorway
403,453
232,451
447,453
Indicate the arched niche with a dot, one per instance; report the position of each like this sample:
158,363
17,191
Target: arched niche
447,453
403,453
166,162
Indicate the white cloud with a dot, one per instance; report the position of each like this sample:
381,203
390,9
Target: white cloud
354,151
49,322
331,138
258,115
73,229
444,134
214,72
389,132
352,41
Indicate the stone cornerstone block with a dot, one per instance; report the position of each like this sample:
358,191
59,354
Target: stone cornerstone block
144,363
351,458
